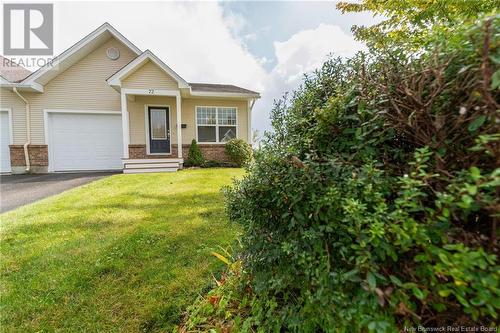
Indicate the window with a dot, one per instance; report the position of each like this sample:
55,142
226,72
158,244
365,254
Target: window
158,124
215,124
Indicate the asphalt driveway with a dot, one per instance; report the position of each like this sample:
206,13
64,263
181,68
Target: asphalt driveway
19,190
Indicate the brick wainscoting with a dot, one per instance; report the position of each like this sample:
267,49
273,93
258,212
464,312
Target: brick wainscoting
210,152
38,154
139,152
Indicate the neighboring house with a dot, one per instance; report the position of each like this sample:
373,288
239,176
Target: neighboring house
107,105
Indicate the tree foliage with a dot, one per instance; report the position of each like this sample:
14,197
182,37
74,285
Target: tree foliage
412,23
374,203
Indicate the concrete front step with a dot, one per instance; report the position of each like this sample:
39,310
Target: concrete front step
150,170
152,165
152,160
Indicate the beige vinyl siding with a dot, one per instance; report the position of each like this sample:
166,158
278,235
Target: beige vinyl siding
9,100
149,76
137,117
83,86
189,115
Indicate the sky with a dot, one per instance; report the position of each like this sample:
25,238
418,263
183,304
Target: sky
263,46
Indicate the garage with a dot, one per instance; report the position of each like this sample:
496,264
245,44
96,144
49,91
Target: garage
81,141
5,141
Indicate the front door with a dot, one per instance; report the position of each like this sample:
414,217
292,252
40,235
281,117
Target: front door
159,130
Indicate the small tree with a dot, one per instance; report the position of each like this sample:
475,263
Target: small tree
239,151
195,158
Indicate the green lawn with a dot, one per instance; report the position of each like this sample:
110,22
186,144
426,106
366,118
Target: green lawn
123,254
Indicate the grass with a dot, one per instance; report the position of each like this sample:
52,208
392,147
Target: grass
126,253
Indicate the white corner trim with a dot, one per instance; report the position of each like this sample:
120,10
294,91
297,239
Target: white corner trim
115,79
249,121
178,119
73,49
11,129
146,125
125,124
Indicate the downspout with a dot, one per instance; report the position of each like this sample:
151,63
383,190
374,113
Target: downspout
251,102
28,130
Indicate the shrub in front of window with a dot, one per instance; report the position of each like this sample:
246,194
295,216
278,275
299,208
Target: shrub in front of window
239,151
195,158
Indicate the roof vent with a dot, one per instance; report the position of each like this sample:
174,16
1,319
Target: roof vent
113,53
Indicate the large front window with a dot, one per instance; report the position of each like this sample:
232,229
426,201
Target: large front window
215,124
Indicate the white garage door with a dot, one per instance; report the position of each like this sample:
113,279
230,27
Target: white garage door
4,141
84,141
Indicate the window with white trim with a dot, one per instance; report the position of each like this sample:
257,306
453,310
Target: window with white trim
216,124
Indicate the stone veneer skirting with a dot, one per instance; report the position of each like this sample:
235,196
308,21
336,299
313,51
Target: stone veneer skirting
213,152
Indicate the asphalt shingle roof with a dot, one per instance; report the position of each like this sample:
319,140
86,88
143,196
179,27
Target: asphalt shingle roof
12,72
229,88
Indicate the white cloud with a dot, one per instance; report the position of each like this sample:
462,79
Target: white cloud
236,22
308,49
302,53
250,37
196,39
262,61
200,41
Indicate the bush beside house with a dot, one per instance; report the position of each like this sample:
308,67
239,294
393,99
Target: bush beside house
374,204
239,152
195,157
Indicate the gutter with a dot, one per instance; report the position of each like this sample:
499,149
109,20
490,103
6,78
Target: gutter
28,130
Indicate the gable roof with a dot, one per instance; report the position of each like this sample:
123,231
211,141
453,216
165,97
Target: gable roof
76,52
115,79
193,89
24,79
11,71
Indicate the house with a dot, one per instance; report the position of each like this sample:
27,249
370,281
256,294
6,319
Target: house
104,104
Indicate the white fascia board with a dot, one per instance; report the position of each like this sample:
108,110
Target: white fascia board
76,47
115,79
30,87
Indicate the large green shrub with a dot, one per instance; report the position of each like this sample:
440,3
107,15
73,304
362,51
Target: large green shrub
195,157
374,203
239,151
